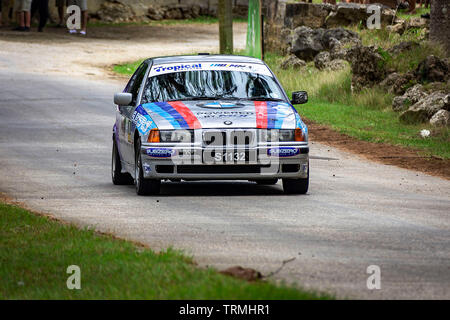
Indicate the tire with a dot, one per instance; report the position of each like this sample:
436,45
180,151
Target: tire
118,178
296,186
267,181
144,187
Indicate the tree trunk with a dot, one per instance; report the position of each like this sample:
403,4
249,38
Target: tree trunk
440,22
225,13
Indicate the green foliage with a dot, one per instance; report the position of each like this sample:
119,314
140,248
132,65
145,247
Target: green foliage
328,86
403,13
36,251
410,59
407,60
386,57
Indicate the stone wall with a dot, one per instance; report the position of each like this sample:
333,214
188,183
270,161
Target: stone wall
139,10
142,5
284,16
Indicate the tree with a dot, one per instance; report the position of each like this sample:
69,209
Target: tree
225,13
440,22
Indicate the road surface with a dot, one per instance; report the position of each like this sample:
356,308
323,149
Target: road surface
55,153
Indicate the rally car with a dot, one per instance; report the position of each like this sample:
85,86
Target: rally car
208,117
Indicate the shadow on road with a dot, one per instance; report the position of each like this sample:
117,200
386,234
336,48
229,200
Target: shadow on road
218,188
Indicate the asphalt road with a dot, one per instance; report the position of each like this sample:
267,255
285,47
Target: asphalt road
55,150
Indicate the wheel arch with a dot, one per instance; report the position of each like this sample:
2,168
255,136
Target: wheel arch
136,138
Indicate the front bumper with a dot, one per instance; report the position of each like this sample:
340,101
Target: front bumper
187,162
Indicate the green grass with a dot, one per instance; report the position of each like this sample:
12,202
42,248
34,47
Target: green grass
127,68
377,126
36,251
403,14
405,61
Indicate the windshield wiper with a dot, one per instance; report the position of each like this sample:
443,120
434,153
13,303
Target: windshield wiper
260,98
194,98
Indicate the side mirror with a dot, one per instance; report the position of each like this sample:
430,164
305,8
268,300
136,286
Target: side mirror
299,97
123,98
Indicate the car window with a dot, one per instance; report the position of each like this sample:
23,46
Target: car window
136,81
212,84
133,77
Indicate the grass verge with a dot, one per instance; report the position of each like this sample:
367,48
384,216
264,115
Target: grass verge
127,68
35,252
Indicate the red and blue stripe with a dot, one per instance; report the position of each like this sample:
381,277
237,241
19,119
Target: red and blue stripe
177,113
266,115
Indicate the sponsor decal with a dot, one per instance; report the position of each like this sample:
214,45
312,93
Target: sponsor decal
170,68
142,120
160,152
196,66
283,152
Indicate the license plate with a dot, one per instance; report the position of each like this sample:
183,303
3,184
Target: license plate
225,157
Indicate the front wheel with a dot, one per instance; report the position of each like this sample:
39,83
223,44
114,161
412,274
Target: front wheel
144,187
296,186
118,178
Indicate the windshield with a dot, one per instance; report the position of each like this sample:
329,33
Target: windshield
211,84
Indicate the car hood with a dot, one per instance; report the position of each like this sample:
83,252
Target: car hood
222,114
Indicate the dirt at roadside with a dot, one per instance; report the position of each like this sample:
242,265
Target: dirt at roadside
380,152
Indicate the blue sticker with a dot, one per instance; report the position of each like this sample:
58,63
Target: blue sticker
283,152
160,152
142,120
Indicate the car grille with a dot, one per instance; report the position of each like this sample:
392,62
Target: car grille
220,169
232,137
223,168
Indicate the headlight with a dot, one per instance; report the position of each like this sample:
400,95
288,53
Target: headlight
276,135
176,135
281,135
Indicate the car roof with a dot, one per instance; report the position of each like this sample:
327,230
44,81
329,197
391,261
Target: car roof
204,58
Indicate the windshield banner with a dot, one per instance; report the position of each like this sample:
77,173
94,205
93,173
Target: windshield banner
219,66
